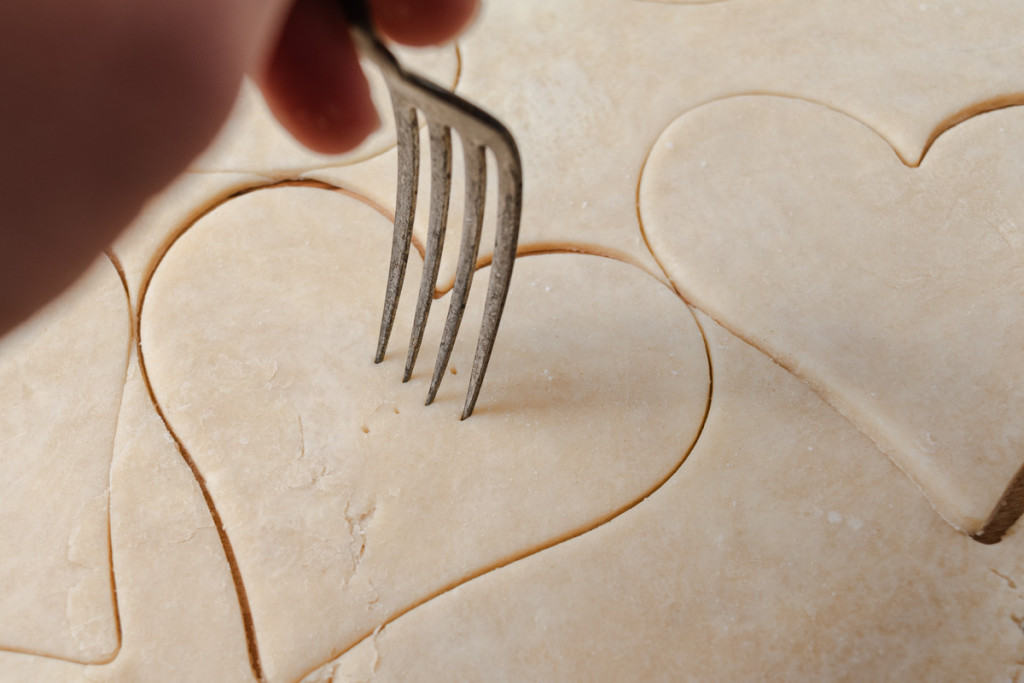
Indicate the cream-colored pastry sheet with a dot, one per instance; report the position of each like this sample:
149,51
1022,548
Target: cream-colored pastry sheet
179,615
894,291
830,567
786,548
588,85
166,215
345,499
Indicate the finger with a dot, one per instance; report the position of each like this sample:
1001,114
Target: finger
422,22
103,103
313,82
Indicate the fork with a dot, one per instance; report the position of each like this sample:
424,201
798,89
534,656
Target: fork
478,131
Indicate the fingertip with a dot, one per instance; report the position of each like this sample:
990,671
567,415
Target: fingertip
423,22
313,82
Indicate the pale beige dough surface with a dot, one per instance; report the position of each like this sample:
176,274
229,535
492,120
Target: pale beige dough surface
786,548
587,85
894,291
348,501
164,216
252,140
178,613
331,544
61,375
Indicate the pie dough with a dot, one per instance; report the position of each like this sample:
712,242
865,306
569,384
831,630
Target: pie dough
346,500
252,141
178,613
894,291
167,215
787,548
587,86
563,531
61,375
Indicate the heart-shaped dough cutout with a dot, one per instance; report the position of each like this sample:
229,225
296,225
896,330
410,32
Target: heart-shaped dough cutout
345,499
61,376
894,291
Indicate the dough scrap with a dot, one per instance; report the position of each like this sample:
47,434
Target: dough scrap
346,500
179,614
586,86
894,291
786,548
61,375
252,140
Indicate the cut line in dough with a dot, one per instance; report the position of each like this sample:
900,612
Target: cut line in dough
364,482
587,85
772,555
891,290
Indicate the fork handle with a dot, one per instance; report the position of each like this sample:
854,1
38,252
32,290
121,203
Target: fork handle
357,12
360,22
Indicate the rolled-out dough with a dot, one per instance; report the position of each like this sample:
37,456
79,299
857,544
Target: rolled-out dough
895,291
61,375
756,558
787,548
348,501
587,86
166,215
179,616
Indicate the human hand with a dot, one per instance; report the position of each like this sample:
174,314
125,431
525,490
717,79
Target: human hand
106,101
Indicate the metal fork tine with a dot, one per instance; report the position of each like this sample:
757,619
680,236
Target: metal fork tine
510,207
472,222
479,131
405,208
440,191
